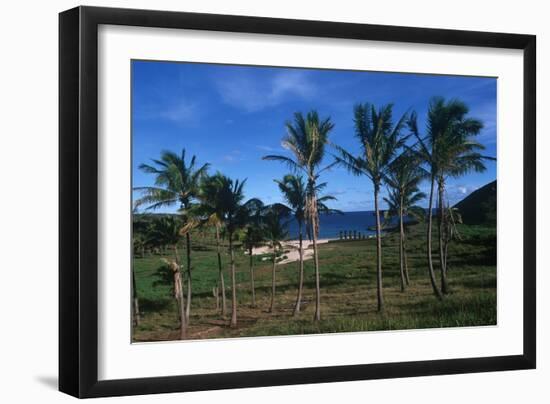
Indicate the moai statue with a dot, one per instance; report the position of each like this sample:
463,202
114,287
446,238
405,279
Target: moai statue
340,234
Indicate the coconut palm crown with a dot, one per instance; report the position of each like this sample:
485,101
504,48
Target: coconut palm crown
176,183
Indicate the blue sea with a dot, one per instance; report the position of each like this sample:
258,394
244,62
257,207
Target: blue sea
331,225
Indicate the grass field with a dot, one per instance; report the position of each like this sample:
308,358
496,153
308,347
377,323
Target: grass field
348,290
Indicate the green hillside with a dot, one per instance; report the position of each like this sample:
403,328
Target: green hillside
480,207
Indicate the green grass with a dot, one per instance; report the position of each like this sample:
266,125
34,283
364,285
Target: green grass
348,290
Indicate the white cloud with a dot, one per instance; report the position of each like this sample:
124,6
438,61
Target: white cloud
336,192
183,112
233,156
455,193
253,94
487,113
269,148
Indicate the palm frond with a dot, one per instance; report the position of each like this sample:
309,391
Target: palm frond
355,165
292,165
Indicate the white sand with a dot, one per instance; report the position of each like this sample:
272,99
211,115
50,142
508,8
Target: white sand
291,250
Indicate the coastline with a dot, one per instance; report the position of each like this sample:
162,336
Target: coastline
291,249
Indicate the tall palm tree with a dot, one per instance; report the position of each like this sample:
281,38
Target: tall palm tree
235,214
212,208
253,237
449,150
306,139
379,140
165,230
275,229
403,177
176,183
293,189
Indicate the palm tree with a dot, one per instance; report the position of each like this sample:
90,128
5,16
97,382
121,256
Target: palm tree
379,140
294,192
452,218
234,215
176,183
403,178
212,207
448,149
275,232
254,237
166,231
306,139
293,189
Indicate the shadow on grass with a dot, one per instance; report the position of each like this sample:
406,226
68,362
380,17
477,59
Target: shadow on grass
485,283
154,306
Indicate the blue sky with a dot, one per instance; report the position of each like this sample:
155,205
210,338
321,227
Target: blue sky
230,116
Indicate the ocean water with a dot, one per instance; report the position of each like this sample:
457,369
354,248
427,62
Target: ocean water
331,225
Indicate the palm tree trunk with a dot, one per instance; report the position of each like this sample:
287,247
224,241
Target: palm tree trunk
401,255
429,242
178,293
216,294
252,287
271,306
135,303
233,284
445,254
301,274
220,270
444,287
188,307
379,288
316,262
407,279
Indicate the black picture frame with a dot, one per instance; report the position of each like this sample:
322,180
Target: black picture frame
78,201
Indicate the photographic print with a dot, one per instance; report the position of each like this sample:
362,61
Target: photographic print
276,201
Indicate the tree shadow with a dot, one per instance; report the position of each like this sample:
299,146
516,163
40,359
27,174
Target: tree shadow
198,247
153,306
485,283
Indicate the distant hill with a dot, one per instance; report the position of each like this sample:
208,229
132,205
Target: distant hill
480,207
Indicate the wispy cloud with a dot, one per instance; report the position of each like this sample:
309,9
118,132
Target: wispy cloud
487,113
253,94
336,192
182,112
269,148
233,156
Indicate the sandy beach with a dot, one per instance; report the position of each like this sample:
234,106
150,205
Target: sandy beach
291,250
